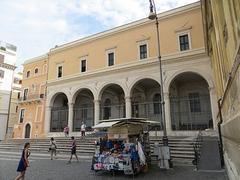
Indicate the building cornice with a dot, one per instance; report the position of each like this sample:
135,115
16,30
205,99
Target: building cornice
133,65
126,27
35,59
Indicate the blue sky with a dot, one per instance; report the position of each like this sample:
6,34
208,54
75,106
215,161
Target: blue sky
35,26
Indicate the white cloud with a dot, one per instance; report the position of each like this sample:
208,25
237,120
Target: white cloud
36,26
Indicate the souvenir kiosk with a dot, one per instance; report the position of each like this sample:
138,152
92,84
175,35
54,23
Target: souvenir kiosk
124,147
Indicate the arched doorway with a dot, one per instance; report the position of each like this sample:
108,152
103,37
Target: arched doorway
83,110
112,104
27,131
190,103
146,101
59,113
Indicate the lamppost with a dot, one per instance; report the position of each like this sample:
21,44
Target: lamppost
153,16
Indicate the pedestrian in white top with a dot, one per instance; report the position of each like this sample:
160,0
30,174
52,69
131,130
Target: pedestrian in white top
83,129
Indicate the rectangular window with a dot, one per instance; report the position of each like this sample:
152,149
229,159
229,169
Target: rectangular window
184,42
143,51
59,71
110,59
194,101
25,94
22,112
83,65
1,74
16,109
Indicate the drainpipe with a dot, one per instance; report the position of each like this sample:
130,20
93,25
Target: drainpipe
220,132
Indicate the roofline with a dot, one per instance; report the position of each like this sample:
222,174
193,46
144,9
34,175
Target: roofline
35,59
127,26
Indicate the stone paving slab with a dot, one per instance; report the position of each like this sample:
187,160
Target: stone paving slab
60,170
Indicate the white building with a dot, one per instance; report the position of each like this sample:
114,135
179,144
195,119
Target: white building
7,66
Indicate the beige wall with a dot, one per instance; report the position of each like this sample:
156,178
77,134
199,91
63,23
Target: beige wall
34,105
125,42
222,27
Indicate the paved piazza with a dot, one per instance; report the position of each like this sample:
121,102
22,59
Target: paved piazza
41,168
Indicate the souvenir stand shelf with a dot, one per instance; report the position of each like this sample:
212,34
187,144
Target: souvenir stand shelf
124,148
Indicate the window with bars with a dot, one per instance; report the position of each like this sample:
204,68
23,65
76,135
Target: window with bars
110,59
194,102
184,42
143,51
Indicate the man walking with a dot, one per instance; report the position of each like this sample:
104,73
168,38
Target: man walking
73,149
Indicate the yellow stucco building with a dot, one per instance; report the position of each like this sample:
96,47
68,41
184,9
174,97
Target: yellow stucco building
32,99
222,31
115,75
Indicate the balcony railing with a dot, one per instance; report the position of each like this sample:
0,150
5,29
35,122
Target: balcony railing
32,97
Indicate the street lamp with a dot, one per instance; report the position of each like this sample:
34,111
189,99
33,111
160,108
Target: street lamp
153,16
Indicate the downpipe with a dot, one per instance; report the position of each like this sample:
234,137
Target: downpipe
220,132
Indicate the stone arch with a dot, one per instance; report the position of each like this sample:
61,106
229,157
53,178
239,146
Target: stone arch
142,78
79,89
53,95
205,76
108,84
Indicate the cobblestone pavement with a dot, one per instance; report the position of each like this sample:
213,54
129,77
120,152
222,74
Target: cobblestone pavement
45,169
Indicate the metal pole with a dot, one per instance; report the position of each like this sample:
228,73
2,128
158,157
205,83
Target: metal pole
165,138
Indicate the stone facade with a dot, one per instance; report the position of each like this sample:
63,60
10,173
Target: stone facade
222,31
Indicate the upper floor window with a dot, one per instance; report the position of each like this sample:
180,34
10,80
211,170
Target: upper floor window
194,101
83,65
143,51
111,59
28,74
1,74
59,71
22,112
25,94
184,42
36,71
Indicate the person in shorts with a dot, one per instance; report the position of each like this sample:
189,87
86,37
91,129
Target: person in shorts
73,149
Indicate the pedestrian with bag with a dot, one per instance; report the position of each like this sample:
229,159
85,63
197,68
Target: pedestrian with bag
73,149
53,148
23,163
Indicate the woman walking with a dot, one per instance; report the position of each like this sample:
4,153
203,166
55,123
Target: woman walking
53,148
23,163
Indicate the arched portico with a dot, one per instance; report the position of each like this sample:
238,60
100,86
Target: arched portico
59,112
83,109
190,104
145,100
112,102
